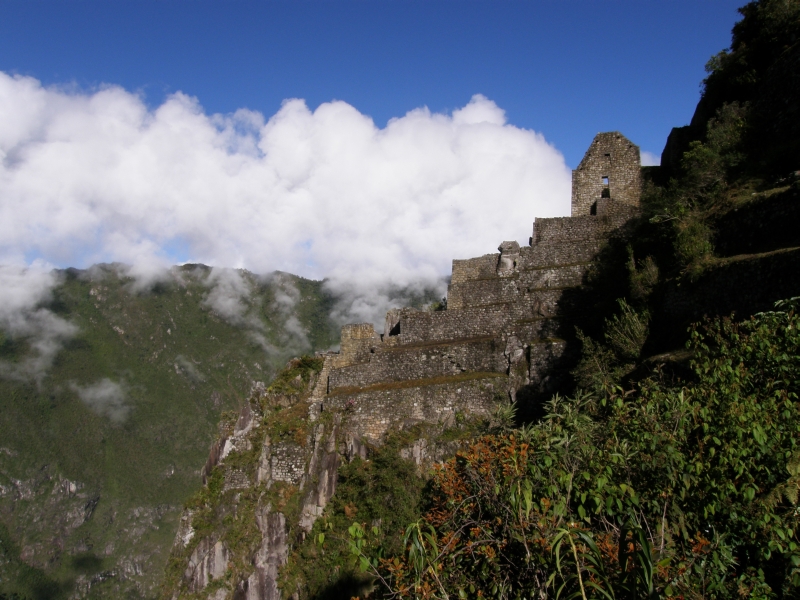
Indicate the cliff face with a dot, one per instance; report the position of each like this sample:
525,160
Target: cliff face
506,333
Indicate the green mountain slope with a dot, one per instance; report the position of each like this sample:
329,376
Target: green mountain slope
98,455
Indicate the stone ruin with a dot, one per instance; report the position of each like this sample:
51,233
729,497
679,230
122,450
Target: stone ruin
501,330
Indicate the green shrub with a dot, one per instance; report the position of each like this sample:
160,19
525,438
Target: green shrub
692,242
704,474
626,332
603,365
294,378
642,278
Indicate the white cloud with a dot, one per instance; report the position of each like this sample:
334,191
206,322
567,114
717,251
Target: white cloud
24,319
353,305
184,365
649,159
105,397
97,177
229,295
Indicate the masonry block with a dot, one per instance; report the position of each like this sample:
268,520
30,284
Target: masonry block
403,363
475,268
371,413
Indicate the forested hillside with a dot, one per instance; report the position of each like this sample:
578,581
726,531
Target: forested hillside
99,450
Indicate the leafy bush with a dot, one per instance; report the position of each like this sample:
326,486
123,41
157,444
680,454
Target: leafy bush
439,305
708,166
708,472
693,244
602,366
643,278
626,332
295,376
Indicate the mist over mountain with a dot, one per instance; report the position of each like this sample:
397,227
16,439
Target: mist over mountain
111,388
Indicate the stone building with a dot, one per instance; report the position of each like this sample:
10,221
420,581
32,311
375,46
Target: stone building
508,317
609,175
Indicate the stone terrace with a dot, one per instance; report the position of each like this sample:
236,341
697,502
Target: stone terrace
500,330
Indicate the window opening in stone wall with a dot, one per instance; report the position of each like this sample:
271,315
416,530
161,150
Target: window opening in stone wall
606,193
605,180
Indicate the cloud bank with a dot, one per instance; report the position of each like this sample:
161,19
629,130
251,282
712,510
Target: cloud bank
91,177
231,296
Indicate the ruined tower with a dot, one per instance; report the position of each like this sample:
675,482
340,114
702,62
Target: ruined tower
609,176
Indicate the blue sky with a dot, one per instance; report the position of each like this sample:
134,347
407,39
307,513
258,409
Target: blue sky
567,69
366,142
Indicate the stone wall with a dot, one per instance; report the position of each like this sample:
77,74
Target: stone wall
572,230
370,414
611,168
542,278
475,268
404,363
542,356
287,462
748,284
764,224
557,254
357,341
480,292
422,327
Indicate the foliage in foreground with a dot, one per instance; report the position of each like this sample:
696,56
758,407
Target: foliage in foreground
693,488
